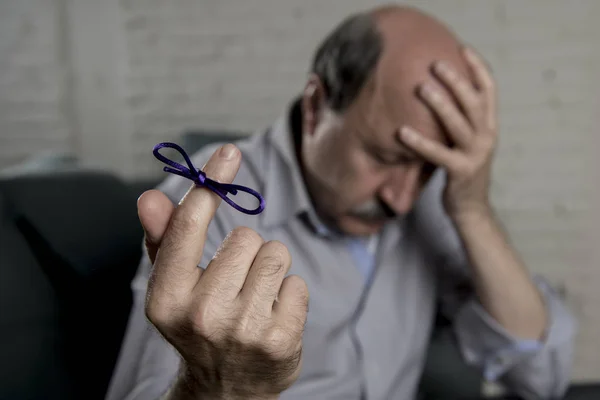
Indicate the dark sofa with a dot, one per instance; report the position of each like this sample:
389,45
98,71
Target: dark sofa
70,243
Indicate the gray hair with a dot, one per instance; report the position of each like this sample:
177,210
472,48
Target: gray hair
346,58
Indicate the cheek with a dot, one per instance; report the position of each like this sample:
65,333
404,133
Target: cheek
369,175
345,168
326,159
335,163
363,177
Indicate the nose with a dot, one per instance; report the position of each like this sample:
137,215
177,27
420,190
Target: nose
402,188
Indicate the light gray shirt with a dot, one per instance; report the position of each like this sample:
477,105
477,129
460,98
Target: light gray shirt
371,313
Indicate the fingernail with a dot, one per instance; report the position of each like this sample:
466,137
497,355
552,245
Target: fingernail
228,151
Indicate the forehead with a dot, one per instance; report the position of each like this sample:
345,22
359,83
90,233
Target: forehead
390,98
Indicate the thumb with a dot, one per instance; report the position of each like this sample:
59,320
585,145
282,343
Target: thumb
154,210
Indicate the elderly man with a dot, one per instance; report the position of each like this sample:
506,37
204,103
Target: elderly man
376,183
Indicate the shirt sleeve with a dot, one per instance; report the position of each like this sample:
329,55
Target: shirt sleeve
531,369
147,363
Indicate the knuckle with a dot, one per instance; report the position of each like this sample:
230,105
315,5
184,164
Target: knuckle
212,286
244,237
266,282
185,223
275,260
159,312
277,342
202,321
221,286
229,250
240,244
248,328
211,317
155,313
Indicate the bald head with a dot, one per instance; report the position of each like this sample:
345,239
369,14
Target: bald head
412,42
403,20
393,45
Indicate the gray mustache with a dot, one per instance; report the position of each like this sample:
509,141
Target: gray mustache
374,209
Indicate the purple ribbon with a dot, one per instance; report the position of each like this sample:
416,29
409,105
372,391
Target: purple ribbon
200,179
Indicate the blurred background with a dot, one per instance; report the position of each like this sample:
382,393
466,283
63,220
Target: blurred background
96,84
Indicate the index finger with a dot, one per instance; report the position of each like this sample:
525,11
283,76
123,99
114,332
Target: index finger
176,267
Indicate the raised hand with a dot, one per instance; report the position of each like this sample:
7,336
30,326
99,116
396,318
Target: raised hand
238,324
471,126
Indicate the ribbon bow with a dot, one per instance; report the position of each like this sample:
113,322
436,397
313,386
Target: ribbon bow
200,179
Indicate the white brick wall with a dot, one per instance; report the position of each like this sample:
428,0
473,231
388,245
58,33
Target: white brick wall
33,81
234,64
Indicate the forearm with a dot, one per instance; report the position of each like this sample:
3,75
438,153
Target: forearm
502,283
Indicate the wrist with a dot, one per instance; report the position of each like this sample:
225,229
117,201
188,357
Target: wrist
189,387
474,215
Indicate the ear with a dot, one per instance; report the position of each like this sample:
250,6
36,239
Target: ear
313,103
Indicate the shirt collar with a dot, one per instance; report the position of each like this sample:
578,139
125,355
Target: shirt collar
286,194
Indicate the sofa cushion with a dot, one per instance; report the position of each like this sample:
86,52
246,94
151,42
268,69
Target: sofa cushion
32,364
87,218
71,245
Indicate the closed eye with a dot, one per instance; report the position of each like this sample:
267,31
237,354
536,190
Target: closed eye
393,159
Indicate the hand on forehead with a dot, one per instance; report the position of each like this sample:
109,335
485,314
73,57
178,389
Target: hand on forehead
412,43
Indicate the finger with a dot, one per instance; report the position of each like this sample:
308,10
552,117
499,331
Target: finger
291,308
432,151
453,120
227,271
155,211
181,249
463,91
264,279
485,82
